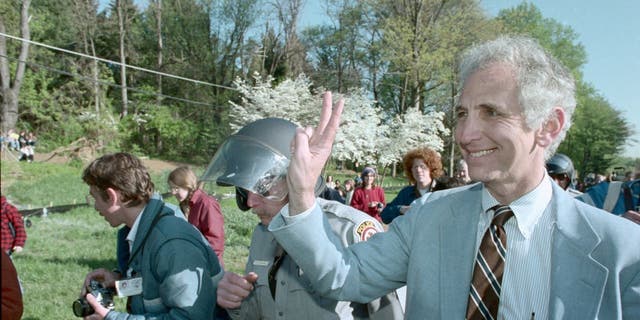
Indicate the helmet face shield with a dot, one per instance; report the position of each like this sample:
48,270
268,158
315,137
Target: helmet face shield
248,164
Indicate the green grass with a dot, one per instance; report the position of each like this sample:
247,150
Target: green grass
62,248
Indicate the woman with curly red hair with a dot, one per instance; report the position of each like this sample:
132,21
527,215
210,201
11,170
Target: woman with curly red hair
422,166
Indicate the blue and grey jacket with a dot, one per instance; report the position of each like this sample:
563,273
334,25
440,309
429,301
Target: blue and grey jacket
179,270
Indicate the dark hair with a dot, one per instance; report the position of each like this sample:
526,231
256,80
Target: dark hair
123,172
445,182
366,171
430,158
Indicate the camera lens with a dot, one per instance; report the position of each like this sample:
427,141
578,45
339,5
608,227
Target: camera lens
81,308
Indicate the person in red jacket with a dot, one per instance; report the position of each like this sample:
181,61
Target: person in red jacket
369,198
13,234
11,294
202,210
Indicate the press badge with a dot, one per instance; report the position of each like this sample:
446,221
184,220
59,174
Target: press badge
129,287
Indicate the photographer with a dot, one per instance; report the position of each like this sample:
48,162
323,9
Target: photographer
171,272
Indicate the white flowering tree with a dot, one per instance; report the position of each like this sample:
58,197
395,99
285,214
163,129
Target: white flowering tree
412,130
366,135
291,100
362,132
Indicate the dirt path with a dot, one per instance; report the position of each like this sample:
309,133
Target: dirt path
153,165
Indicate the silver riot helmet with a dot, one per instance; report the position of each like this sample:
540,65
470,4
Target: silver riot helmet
560,168
255,159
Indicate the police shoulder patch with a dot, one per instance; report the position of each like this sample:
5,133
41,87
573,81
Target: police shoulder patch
365,230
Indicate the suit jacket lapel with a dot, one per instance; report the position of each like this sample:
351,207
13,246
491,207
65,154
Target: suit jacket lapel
577,280
458,236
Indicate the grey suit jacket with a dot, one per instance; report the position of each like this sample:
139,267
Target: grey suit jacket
595,258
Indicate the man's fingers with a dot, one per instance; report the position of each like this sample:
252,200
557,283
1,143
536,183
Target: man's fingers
251,277
325,113
329,116
233,288
301,142
91,299
336,113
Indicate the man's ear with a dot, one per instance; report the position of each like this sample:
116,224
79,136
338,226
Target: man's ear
113,196
551,128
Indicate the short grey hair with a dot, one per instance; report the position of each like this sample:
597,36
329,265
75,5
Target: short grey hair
543,81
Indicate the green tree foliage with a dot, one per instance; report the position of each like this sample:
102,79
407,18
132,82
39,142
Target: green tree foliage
394,60
599,132
597,135
337,50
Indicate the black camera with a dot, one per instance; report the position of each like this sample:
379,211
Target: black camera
379,205
82,308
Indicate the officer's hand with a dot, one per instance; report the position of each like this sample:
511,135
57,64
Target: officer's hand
310,149
107,279
233,288
632,215
100,311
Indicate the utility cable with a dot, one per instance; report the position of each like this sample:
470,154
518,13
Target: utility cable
75,75
114,62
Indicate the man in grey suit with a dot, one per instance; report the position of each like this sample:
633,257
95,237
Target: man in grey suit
564,259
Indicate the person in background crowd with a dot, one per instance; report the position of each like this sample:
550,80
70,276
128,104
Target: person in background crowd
357,182
12,140
14,235
551,256
200,209
349,187
27,146
254,161
170,262
339,188
369,198
621,198
560,169
11,293
330,182
331,194
628,176
422,167
462,172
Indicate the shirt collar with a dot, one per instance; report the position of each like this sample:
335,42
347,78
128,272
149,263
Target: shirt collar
195,197
134,229
527,209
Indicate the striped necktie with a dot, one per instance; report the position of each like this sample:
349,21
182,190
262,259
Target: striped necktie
484,295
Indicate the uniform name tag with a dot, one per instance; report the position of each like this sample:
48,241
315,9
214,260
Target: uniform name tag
129,287
261,263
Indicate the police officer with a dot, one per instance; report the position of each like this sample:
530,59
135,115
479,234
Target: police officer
255,161
560,168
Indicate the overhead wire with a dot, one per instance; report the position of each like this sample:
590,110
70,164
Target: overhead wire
75,75
115,63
